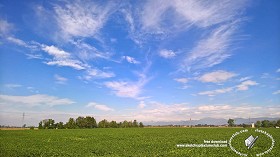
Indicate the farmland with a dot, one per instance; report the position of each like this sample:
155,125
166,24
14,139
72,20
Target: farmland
126,142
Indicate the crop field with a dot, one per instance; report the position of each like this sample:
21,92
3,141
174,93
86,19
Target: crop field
132,142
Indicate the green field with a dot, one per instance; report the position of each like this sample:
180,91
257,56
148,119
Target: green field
128,142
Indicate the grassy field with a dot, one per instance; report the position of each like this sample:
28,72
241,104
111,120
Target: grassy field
129,142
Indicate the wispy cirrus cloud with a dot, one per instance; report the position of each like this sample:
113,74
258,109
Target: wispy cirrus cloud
131,60
5,27
97,74
11,86
125,89
216,92
130,89
34,100
183,14
62,58
88,52
59,79
218,76
99,106
167,53
183,111
220,23
245,85
211,50
82,18
181,80
276,92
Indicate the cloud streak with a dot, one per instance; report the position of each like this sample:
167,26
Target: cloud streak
99,106
81,18
34,100
218,76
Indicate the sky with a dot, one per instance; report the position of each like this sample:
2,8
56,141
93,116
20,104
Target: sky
146,60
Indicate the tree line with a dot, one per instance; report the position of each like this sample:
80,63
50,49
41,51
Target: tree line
87,122
258,124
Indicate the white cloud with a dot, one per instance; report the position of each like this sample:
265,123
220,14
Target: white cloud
167,53
211,50
99,106
34,100
178,112
276,92
130,89
216,92
11,86
241,87
96,73
125,89
183,14
5,27
17,41
244,79
245,85
141,105
216,76
82,18
62,58
59,79
88,52
181,80
55,52
278,70
130,60
214,108
266,76
68,63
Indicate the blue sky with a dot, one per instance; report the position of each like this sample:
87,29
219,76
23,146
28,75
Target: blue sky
144,60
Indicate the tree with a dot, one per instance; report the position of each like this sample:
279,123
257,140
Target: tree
81,122
71,124
60,125
231,122
113,124
258,124
135,124
272,123
104,124
40,125
278,123
125,124
141,125
90,122
265,123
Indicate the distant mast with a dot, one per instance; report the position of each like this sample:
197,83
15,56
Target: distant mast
23,115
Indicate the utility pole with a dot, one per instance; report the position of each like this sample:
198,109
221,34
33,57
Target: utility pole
23,115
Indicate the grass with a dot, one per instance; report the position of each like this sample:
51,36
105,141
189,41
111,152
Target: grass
127,142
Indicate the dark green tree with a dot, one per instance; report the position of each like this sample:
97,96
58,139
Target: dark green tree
141,125
265,123
40,125
103,124
71,124
60,125
258,124
90,122
231,122
135,124
81,122
113,124
278,123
